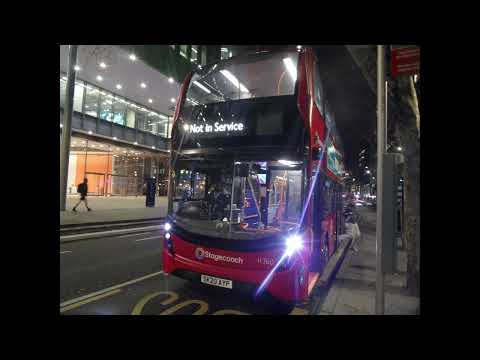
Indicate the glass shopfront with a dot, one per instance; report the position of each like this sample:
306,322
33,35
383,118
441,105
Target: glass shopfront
114,170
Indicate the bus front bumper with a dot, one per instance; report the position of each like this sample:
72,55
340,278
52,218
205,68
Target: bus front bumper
284,286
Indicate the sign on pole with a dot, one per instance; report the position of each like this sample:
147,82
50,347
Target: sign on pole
405,60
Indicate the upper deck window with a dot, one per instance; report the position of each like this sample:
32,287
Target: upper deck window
254,76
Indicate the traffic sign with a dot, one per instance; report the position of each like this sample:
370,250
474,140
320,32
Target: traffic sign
405,60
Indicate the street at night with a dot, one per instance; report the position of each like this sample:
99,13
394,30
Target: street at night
122,275
239,180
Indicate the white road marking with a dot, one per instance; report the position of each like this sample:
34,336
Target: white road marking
134,234
153,237
72,301
111,232
64,252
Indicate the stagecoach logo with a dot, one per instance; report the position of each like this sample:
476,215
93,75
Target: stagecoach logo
201,253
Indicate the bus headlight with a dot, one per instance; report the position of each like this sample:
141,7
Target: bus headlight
294,243
167,236
167,226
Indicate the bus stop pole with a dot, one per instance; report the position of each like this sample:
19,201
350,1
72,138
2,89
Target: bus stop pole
380,295
67,125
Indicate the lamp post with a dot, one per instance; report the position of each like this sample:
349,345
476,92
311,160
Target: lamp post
380,295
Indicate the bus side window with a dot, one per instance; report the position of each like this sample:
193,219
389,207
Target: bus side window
318,91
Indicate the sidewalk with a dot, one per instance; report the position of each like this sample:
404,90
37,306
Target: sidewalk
106,209
353,290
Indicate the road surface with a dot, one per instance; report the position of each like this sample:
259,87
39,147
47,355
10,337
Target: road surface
122,275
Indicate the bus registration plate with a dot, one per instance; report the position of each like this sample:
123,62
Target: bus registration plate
211,280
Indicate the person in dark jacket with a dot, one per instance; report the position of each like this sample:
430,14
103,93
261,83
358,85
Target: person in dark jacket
82,189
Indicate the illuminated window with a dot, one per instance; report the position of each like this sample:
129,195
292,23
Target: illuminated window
224,53
106,103
63,86
194,55
119,111
91,101
183,50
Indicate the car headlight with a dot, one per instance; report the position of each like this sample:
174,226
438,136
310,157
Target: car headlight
294,243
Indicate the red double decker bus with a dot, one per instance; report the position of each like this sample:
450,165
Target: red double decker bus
255,181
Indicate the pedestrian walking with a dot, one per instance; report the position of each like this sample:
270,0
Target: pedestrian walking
82,189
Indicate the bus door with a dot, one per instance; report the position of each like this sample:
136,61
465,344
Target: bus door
319,255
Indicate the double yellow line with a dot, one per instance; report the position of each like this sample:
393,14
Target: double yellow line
89,300
112,290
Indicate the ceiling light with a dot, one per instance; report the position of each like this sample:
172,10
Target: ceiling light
202,87
299,47
291,68
61,125
172,100
64,78
234,80
287,162
170,80
132,57
119,87
150,101
99,78
143,85
77,68
399,148
103,65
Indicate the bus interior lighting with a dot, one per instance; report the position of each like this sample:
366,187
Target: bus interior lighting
287,162
234,80
202,87
291,68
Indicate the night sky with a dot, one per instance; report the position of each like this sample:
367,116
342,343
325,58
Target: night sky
352,100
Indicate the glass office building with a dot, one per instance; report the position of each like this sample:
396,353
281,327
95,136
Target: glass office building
94,101
114,168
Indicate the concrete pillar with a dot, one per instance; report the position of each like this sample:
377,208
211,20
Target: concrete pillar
67,125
